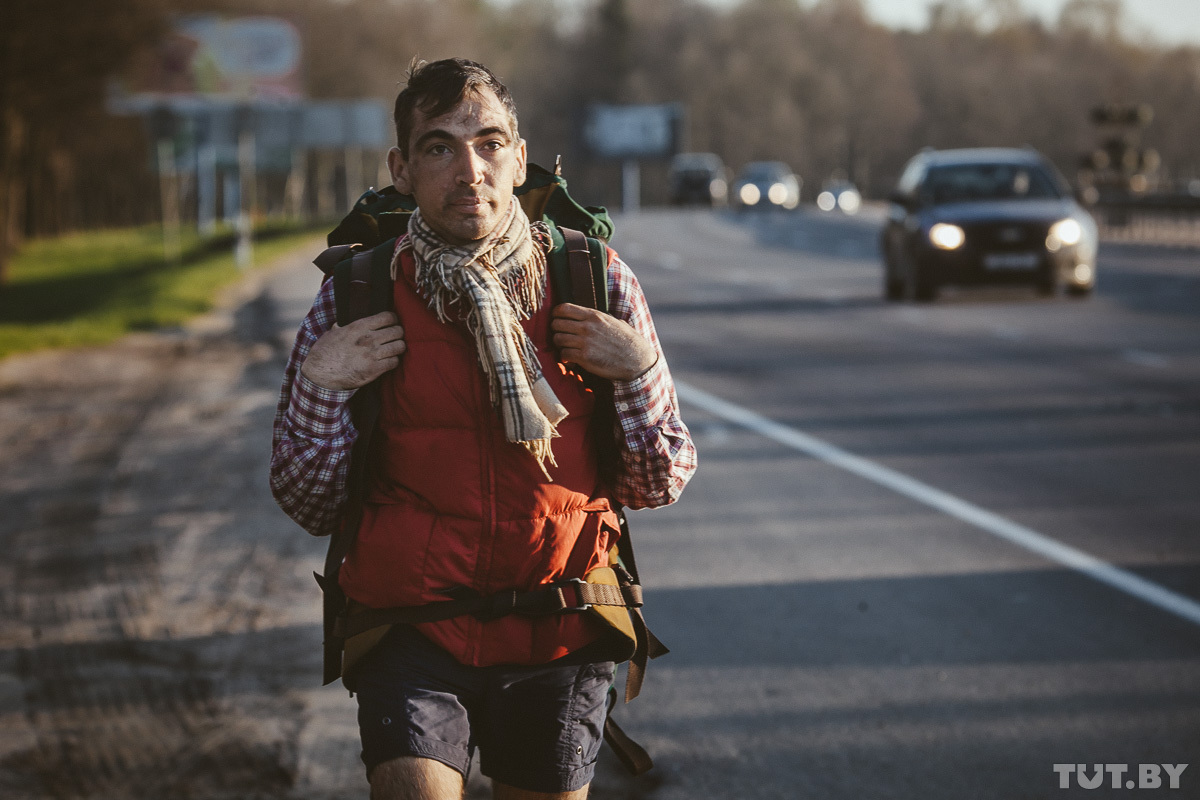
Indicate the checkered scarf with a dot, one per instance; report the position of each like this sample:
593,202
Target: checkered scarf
492,284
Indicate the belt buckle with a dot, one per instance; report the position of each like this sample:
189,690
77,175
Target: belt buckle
559,585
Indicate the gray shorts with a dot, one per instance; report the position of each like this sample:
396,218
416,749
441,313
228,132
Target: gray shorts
536,728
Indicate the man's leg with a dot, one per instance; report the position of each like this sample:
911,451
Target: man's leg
540,728
503,792
412,778
413,718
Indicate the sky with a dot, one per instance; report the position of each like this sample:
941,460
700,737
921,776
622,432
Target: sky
1168,21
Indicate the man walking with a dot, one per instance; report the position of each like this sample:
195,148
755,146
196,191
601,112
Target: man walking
485,475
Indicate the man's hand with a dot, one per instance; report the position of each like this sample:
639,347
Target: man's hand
353,356
600,343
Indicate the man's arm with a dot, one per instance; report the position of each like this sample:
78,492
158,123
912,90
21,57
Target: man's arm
313,433
657,455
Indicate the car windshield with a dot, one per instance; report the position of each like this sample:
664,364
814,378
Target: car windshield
964,183
696,163
762,172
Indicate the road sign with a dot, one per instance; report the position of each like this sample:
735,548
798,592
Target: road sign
633,131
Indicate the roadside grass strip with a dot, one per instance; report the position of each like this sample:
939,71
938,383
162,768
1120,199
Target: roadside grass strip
91,288
1027,538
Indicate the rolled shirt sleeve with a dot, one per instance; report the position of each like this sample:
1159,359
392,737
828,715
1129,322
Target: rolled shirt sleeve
657,456
312,435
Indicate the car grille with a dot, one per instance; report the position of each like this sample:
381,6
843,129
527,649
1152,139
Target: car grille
1014,236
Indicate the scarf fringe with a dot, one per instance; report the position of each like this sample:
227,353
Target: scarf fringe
540,450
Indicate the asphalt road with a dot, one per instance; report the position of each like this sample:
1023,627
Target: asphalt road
846,617
834,638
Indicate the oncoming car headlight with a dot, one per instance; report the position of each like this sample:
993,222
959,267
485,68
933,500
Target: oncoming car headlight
947,237
1064,233
750,194
777,194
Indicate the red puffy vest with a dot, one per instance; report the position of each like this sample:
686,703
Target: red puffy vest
451,503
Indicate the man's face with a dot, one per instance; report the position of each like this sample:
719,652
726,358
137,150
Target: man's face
462,167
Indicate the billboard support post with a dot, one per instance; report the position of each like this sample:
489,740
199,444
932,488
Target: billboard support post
244,249
354,174
168,191
206,188
294,191
631,186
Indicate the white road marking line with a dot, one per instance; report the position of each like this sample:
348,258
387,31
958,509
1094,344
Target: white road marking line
985,520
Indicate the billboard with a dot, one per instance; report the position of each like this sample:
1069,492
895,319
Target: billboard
231,58
633,131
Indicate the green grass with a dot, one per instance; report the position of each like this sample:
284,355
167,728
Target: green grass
92,288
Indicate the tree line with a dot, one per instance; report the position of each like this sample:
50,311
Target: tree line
816,84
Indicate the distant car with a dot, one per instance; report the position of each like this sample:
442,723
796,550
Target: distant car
985,215
766,184
698,179
841,196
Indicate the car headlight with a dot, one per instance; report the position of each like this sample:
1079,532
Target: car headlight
850,202
717,188
826,201
1064,233
947,237
750,194
777,194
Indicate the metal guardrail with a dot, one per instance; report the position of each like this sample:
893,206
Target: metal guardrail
1172,220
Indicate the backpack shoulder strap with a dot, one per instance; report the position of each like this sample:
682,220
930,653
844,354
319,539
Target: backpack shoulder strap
579,270
362,282
586,269
362,286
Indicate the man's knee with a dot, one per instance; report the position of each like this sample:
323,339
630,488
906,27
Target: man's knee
412,778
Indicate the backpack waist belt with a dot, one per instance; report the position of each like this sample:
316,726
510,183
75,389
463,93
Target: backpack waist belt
554,598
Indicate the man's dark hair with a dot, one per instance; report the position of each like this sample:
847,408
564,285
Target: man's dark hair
437,87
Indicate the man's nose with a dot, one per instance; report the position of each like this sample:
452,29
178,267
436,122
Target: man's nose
470,167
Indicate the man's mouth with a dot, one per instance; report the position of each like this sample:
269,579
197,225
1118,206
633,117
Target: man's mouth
473,203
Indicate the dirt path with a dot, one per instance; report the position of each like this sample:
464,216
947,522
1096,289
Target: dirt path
159,635
159,623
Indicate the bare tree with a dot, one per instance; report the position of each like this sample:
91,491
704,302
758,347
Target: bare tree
47,92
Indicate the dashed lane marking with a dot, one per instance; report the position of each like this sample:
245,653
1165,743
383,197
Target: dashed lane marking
948,504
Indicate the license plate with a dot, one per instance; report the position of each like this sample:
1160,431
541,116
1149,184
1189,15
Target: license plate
1010,260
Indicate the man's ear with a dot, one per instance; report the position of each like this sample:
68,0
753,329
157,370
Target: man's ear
520,175
398,166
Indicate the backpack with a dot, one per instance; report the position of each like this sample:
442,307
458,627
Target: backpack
358,262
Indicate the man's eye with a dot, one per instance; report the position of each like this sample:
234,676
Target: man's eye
439,149
494,145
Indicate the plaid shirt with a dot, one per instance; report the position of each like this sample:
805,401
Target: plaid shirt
313,433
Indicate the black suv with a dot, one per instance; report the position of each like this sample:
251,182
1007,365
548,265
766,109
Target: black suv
986,215
698,178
